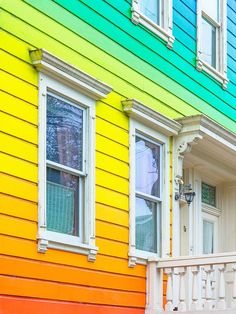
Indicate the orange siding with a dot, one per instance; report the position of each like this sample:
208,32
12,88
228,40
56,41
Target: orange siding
16,305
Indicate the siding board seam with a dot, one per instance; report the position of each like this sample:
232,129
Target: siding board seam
71,284
72,266
19,78
190,77
12,95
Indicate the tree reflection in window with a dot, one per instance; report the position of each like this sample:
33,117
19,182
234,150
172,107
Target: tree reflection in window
64,133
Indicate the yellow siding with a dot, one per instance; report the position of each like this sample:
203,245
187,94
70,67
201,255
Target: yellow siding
61,275
18,148
18,128
18,108
18,168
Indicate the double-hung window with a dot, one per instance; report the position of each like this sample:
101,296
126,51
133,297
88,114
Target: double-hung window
156,15
67,100
148,193
211,38
149,220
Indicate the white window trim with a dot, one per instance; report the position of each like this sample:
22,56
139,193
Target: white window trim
163,32
158,128
220,74
69,82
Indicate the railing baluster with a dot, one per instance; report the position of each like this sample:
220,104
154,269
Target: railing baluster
233,303
182,294
221,304
169,293
208,303
195,289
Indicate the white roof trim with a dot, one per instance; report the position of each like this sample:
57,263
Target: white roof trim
150,117
208,128
49,64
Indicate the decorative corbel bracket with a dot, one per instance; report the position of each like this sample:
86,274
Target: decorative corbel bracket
170,42
132,261
183,145
92,255
42,245
135,12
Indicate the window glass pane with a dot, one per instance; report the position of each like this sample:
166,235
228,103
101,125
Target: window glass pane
211,7
62,202
64,133
150,8
208,194
208,43
208,237
147,174
147,225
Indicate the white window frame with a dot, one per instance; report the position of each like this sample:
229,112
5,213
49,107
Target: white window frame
137,128
157,128
68,82
164,31
220,72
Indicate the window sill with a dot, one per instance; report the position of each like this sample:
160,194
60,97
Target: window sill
141,257
54,240
203,66
166,35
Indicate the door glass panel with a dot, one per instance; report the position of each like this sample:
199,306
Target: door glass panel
208,237
208,194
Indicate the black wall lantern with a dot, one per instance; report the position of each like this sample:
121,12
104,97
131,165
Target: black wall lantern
185,191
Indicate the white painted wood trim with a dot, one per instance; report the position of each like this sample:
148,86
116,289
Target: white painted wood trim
164,32
51,65
137,256
220,73
150,117
211,210
58,77
205,126
200,260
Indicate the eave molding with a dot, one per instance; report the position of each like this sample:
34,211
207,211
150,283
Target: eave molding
206,127
150,117
49,64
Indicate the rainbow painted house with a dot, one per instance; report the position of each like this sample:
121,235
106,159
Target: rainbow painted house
118,140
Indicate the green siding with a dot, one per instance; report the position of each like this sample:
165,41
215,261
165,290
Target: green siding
138,48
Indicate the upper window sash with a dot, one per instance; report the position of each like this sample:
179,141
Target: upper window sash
142,148
214,62
75,165
161,25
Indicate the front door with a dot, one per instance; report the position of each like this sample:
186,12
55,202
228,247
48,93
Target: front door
210,226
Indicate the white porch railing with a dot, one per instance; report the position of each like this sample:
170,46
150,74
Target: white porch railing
194,283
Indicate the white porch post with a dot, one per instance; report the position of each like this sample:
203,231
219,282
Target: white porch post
154,303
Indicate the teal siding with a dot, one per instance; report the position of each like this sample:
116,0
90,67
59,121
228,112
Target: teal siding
141,50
